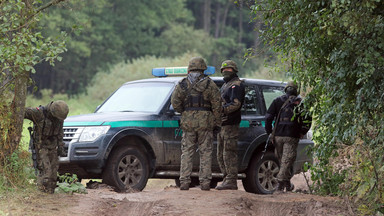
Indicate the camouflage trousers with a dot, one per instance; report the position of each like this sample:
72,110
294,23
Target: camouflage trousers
47,164
227,151
188,143
286,151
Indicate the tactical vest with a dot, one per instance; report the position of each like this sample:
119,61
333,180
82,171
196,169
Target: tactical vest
49,127
194,99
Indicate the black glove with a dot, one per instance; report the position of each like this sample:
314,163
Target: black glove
216,130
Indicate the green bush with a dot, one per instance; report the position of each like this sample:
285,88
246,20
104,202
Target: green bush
335,49
18,172
70,184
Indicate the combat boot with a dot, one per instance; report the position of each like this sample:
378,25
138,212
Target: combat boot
280,187
184,186
228,185
205,186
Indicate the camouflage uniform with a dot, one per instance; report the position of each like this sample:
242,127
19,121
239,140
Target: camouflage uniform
47,141
286,150
232,98
198,100
291,126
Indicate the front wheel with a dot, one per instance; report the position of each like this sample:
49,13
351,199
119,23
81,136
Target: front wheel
261,174
127,167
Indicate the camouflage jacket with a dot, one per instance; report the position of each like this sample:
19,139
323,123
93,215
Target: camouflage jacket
47,131
232,97
199,104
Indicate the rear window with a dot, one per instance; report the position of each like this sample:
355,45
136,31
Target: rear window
270,93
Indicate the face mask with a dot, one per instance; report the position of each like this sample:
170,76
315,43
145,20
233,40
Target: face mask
228,75
193,76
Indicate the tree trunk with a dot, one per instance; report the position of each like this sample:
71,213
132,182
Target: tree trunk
240,22
17,114
225,18
207,16
217,20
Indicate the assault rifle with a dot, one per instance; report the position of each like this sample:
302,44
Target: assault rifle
32,148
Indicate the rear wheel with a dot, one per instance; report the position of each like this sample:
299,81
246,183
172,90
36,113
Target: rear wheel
127,167
261,174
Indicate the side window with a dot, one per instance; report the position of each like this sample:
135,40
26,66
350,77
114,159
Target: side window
251,102
270,93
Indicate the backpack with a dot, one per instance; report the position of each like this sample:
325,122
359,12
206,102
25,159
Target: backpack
287,111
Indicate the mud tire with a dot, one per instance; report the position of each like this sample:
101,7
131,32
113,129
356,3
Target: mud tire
126,166
261,174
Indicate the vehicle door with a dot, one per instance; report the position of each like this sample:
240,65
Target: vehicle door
171,135
252,118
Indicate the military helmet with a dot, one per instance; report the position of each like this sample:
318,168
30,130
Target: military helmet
229,64
197,63
59,109
291,85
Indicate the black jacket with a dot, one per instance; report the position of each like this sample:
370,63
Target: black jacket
232,97
295,127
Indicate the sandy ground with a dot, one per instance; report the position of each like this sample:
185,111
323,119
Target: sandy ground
162,197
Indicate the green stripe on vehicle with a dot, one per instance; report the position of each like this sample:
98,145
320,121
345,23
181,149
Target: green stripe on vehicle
157,124
170,124
244,123
154,124
72,124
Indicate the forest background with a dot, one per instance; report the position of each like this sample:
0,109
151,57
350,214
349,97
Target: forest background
103,33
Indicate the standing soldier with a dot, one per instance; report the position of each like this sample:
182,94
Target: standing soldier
232,97
290,126
197,98
47,141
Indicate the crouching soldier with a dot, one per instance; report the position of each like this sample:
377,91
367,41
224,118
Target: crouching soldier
47,141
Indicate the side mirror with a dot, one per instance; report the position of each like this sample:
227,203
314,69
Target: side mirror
171,111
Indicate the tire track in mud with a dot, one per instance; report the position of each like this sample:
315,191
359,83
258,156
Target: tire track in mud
173,202
159,200
290,204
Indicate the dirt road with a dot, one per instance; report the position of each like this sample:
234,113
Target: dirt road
162,197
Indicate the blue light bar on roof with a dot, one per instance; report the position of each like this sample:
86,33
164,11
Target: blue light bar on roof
177,71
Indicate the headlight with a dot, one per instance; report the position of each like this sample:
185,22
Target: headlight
90,134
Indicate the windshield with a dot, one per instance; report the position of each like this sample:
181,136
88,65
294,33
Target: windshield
137,97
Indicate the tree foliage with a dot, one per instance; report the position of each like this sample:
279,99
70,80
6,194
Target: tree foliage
335,50
21,47
107,32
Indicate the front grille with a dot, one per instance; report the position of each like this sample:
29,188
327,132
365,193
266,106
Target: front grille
71,134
